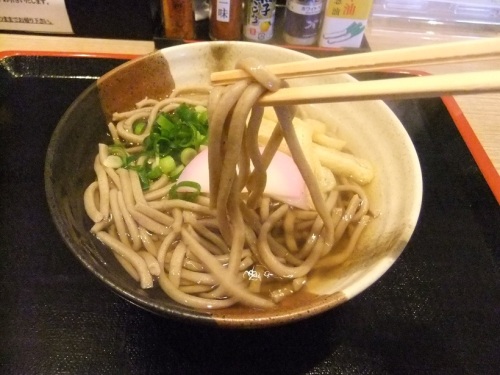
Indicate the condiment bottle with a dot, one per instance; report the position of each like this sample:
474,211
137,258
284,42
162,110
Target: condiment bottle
344,23
259,20
178,17
302,21
225,19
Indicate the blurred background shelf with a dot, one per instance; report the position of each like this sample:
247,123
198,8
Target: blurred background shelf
445,17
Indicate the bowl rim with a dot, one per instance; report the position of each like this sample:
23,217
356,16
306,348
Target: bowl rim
180,312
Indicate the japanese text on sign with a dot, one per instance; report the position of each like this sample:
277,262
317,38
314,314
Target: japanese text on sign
35,15
223,9
348,9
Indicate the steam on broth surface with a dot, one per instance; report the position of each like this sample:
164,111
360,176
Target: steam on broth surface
233,239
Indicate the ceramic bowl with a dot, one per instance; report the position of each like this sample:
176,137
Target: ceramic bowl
370,128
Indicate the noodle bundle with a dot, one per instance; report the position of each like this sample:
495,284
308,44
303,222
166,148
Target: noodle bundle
234,244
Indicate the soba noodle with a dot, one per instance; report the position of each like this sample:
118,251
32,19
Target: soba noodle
234,245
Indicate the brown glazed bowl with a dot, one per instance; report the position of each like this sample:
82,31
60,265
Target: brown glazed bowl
370,128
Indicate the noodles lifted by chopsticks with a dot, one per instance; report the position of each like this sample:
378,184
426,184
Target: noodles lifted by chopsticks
236,244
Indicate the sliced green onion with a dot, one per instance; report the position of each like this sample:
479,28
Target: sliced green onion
185,190
166,125
187,155
113,161
174,140
118,150
154,173
145,181
167,164
176,172
174,131
139,126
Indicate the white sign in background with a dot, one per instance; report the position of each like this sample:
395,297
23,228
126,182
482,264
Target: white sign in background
43,16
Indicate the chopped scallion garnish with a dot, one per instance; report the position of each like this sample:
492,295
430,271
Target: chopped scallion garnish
139,126
187,155
167,164
174,140
185,190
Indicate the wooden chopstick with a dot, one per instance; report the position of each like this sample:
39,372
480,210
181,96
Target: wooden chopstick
375,61
393,88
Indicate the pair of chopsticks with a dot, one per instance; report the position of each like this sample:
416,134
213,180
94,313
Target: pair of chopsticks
394,88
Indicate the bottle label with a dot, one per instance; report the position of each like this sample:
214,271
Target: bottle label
344,23
303,18
342,32
352,9
305,7
259,23
223,8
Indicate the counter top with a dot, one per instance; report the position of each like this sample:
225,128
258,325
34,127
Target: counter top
481,110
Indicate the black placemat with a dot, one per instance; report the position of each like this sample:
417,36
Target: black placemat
435,311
